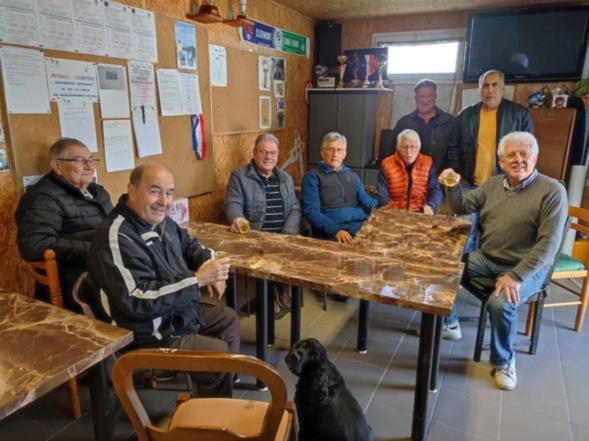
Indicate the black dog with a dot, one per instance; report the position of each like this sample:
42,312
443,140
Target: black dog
327,410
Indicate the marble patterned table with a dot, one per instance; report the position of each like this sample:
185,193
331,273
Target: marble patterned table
399,258
42,346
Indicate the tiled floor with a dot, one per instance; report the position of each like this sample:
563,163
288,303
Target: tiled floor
550,403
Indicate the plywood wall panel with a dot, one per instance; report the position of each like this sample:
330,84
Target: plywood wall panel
229,151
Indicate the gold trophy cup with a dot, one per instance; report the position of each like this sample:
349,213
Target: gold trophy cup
381,63
342,59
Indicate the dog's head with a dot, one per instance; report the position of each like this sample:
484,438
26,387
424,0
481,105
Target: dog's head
304,354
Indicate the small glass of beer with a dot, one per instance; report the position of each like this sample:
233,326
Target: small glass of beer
450,179
244,227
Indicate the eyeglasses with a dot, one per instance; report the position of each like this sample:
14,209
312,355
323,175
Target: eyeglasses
333,150
406,148
425,96
512,155
268,153
79,161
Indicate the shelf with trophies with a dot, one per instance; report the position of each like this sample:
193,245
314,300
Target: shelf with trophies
359,109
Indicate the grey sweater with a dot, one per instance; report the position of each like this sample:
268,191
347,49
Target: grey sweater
523,229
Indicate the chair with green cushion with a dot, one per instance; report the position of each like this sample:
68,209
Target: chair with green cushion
568,267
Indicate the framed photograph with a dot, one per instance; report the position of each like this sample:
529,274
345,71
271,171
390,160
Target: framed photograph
265,112
559,101
279,89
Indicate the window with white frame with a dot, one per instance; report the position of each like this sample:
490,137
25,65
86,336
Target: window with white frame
414,55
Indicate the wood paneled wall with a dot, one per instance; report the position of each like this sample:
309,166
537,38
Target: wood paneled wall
229,151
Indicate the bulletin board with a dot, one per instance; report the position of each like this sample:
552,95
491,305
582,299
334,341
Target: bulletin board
31,135
236,108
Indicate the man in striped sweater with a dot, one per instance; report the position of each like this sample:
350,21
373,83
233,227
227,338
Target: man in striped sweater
263,195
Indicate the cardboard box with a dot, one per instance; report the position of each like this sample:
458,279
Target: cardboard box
179,211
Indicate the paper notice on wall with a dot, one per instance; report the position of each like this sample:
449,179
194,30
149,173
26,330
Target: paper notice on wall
76,120
25,80
118,145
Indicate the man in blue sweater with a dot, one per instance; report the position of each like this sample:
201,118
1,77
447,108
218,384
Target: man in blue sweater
333,198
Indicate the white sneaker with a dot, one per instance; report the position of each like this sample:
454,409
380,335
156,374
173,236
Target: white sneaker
448,333
505,377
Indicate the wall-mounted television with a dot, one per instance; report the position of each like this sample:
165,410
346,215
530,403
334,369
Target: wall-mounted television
527,44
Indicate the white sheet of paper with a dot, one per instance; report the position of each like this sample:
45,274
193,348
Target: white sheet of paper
76,119
25,81
190,94
88,27
218,65
118,145
112,84
144,38
117,29
30,180
55,24
71,79
18,24
169,92
472,96
144,111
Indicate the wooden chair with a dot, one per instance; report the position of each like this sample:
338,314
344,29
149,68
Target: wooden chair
208,419
568,267
484,287
46,274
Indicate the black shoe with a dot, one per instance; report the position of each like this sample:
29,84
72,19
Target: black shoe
282,293
341,298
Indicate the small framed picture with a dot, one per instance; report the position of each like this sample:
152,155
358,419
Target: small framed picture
559,101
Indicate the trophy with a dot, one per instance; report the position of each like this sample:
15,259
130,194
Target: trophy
381,63
342,59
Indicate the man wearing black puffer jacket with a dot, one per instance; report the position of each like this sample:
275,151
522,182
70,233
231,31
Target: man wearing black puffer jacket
62,212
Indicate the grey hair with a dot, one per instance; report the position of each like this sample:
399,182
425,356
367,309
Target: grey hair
60,146
334,136
266,137
489,72
518,138
410,135
426,82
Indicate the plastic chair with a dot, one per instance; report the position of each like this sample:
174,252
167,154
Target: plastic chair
483,288
46,273
208,419
568,267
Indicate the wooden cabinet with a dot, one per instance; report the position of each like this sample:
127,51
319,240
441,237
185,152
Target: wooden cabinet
359,114
553,129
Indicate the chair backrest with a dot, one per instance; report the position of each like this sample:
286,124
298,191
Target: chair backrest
46,273
582,215
197,361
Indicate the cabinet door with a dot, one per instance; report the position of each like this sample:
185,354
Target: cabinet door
356,119
322,120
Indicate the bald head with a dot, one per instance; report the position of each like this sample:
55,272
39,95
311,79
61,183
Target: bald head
151,192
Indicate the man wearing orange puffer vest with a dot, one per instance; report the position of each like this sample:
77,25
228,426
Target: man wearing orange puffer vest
407,179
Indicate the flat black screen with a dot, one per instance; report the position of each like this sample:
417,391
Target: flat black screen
527,45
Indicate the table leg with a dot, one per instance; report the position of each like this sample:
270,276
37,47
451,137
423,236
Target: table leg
270,312
261,323
231,292
101,411
295,315
362,344
433,385
422,380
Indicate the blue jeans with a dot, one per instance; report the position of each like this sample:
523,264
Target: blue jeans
503,314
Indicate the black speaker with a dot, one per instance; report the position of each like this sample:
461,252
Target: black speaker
328,43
